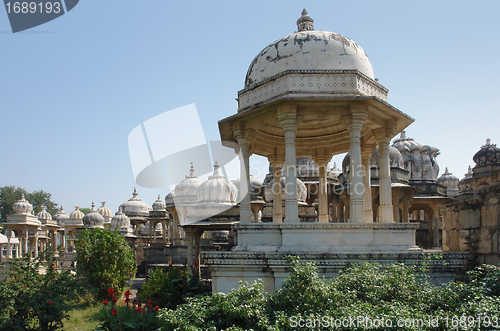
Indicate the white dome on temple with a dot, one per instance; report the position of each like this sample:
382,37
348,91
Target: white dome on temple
301,190
60,216
22,206
217,189
189,185
308,49
76,214
256,188
44,215
104,211
93,219
135,207
395,158
159,204
451,182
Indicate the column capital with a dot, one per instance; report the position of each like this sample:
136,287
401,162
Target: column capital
367,150
287,117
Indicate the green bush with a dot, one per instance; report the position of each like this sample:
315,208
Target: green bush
373,296
34,299
105,260
171,288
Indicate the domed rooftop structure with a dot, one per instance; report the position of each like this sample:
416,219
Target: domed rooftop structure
60,216
308,49
189,185
451,182
75,218
217,189
489,154
121,222
256,188
464,184
22,206
301,190
395,159
93,219
159,205
104,211
44,215
135,207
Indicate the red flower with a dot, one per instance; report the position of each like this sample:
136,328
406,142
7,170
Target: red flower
128,293
53,267
127,300
50,302
149,304
114,311
105,302
196,264
139,309
157,308
11,311
114,300
111,292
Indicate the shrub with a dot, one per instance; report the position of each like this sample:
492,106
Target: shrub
105,260
171,288
31,300
393,293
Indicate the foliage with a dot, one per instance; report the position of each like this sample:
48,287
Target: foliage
31,300
10,194
130,317
105,260
85,211
171,288
373,296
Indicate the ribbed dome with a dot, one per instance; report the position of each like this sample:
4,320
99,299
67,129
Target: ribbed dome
464,184
489,154
217,189
120,220
419,160
301,190
60,216
308,49
76,214
159,205
135,207
189,185
447,179
104,211
256,188
22,206
93,219
395,158
44,215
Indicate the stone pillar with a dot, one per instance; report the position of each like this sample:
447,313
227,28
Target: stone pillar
395,207
189,239
323,193
276,190
197,253
245,210
435,229
288,121
340,209
334,210
406,209
356,205
9,247
367,191
385,209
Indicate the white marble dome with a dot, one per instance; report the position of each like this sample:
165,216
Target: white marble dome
217,189
120,220
159,205
76,214
93,219
60,216
188,186
301,190
447,179
135,207
44,215
22,206
104,211
395,158
308,49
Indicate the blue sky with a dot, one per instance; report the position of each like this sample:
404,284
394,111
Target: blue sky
72,90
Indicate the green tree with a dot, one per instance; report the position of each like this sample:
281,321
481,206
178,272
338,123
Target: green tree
85,210
10,194
105,260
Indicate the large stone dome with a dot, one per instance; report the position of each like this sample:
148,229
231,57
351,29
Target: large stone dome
489,154
308,49
301,190
217,189
93,219
22,206
135,207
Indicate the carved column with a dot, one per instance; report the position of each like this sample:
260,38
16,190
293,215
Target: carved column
435,229
367,191
385,194
9,247
276,190
197,235
340,209
189,239
334,210
323,215
406,209
245,210
288,122
357,208
395,207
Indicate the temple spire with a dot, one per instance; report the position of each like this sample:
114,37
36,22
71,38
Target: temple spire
305,22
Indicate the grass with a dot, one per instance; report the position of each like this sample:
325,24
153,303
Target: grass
83,316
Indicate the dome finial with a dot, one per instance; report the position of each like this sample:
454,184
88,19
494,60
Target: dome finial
305,22
488,142
403,135
446,171
135,193
191,171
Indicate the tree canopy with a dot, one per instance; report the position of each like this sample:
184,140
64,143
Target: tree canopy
10,194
